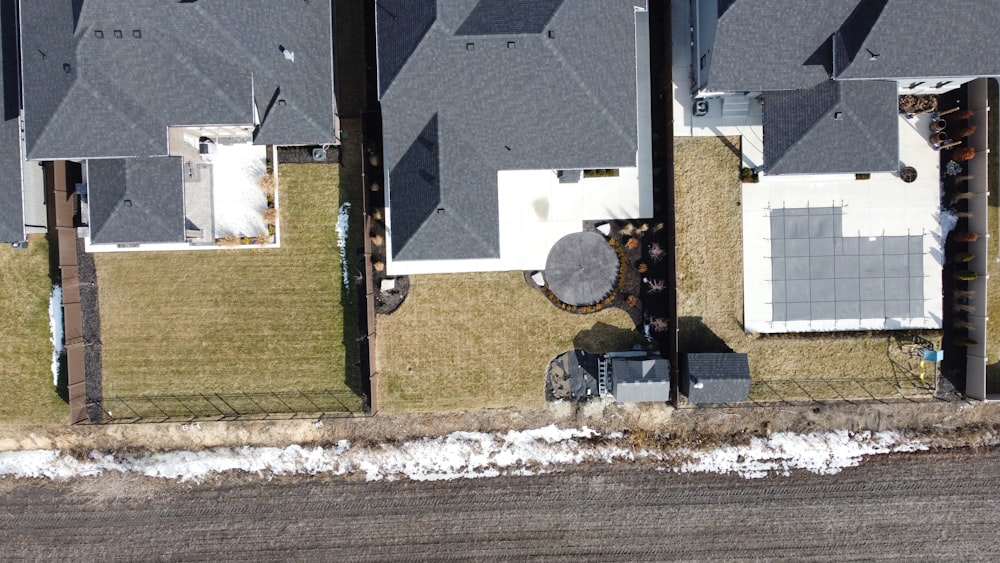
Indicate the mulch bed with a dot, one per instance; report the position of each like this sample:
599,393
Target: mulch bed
303,155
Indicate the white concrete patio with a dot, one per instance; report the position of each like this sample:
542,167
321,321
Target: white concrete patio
535,211
879,207
727,115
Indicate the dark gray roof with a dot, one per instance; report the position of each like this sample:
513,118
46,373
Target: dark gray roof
921,38
105,78
715,378
835,127
640,379
11,202
775,44
497,101
136,200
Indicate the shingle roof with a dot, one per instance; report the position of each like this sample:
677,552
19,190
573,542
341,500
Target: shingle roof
136,200
500,101
774,44
715,378
923,38
105,78
637,380
835,127
11,201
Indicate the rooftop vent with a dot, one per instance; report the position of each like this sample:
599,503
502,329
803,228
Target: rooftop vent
838,115
67,68
281,102
119,34
128,203
470,46
99,34
552,34
872,55
440,211
137,34
510,44
289,55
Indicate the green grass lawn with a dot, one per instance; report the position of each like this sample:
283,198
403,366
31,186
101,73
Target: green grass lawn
240,320
474,341
27,394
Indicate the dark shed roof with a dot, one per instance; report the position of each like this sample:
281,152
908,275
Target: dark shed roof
477,89
11,201
640,379
831,128
715,377
105,78
136,200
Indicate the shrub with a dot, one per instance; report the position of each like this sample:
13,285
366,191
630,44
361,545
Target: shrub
965,132
963,153
267,184
632,301
966,275
270,215
374,187
641,268
632,243
377,240
659,324
962,325
964,294
965,257
379,266
748,176
964,308
377,214
228,240
656,286
965,114
967,342
656,252
964,237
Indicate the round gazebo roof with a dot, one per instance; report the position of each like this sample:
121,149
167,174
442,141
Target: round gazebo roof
582,268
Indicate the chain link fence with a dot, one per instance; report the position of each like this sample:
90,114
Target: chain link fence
231,406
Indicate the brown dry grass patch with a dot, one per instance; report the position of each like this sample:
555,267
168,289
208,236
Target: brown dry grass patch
26,391
710,287
473,341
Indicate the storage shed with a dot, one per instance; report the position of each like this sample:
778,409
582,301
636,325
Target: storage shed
638,379
715,378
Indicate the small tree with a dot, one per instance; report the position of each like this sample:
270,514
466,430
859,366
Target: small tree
966,275
962,154
964,237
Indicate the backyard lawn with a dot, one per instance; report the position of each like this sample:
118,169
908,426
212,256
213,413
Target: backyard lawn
710,294
240,320
473,341
27,394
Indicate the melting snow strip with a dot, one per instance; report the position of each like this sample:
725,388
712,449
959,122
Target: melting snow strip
474,455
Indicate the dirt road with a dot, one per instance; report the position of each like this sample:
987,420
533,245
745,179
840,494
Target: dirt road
915,506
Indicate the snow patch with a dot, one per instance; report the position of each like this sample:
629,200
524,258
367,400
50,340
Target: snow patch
473,455
343,214
56,329
824,453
